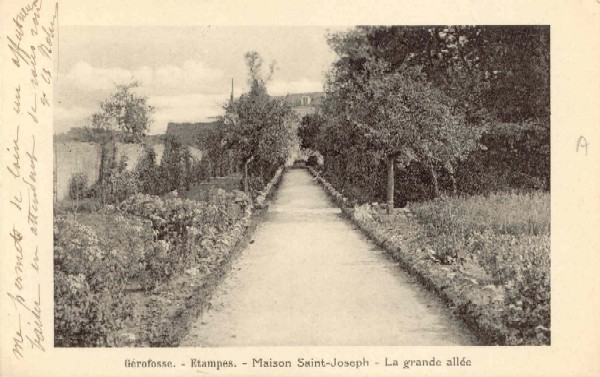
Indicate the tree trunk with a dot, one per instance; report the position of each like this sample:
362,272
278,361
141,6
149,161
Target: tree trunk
390,185
454,184
108,155
248,161
434,180
246,178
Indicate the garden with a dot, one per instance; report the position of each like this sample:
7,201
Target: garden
138,252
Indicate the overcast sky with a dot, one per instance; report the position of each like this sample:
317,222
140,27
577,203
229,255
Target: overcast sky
185,71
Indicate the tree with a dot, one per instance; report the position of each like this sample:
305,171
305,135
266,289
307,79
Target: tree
398,112
497,71
124,117
124,113
261,131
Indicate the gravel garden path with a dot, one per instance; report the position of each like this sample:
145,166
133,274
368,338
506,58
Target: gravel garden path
310,278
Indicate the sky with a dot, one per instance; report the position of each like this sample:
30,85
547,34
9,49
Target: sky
184,71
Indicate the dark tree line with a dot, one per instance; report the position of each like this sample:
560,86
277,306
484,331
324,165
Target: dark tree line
431,109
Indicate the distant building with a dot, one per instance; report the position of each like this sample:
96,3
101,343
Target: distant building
304,103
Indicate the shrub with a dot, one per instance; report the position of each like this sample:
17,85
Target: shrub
96,257
312,161
148,172
77,186
116,187
187,230
176,166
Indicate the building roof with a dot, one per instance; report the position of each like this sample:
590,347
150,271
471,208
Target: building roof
191,133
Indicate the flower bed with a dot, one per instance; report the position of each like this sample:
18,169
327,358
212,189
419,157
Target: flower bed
96,257
138,273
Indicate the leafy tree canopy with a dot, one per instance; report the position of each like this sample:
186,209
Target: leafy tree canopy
497,71
261,128
125,114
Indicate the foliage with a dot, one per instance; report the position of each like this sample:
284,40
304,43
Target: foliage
116,183
176,166
78,319
310,127
219,160
120,186
259,130
397,112
96,257
149,172
124,112
515,156
99,257
312,161
172,218
186,230
461,109
497,71
77,186
508,236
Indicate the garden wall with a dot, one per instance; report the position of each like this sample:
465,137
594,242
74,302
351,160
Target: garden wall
72,157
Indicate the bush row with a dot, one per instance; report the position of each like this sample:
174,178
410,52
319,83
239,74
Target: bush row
178,171
512,156
186,295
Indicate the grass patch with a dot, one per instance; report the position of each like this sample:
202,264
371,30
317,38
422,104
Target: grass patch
524,214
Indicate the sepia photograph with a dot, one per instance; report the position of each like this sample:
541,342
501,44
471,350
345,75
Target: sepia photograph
299,188
375,185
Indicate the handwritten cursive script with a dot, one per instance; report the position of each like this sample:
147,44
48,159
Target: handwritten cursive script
32,44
